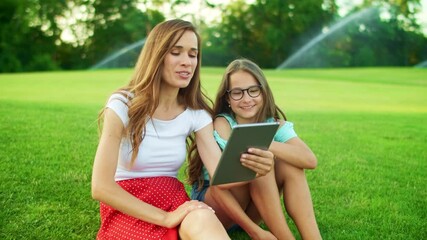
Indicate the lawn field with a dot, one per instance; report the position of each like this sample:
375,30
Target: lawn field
367,127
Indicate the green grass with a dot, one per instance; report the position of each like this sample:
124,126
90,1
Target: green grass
368,128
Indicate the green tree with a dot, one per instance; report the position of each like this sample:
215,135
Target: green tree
24,45
366,41
97,26
116,24
403,11
264,31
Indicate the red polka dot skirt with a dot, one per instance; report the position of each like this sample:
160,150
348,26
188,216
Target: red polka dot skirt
166,193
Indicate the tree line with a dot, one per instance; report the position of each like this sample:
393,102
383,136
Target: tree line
41,35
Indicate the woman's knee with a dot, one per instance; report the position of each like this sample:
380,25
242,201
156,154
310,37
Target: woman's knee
198,221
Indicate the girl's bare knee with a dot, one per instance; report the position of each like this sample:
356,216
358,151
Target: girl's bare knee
287,172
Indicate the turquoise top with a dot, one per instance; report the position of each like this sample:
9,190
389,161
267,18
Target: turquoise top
285,132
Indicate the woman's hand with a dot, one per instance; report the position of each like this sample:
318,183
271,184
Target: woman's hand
258,160
175,217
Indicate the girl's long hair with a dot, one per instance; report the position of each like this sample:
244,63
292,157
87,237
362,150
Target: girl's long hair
221,105
146,80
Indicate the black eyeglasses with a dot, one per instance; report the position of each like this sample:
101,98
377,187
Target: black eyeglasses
237,93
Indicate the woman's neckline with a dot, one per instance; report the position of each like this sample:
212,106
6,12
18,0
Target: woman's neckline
172,119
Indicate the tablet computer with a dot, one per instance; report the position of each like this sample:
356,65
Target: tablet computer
242,137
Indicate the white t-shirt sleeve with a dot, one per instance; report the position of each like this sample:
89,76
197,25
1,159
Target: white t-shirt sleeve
201,118
118,103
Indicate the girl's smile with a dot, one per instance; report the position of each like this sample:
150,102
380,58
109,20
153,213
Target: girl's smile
246,109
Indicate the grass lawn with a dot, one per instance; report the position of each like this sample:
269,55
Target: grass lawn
367,126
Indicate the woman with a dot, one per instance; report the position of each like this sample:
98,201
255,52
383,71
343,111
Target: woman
245,97
143,144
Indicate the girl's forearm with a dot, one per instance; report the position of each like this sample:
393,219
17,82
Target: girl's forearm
295,154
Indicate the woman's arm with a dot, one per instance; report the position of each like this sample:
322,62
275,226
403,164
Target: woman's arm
209,151
106,190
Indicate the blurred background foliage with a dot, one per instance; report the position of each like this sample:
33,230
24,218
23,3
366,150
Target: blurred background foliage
42,35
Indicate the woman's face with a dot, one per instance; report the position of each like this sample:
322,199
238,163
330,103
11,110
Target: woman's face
251,102
181,62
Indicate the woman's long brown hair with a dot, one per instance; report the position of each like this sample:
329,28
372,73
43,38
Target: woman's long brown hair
269,109
146,80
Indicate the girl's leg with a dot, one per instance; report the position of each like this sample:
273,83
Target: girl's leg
202,224
266,198
297,199
229,206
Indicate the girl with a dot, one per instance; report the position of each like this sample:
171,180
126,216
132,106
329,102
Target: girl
245,97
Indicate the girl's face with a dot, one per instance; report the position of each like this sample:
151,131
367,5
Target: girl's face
181,62
244,86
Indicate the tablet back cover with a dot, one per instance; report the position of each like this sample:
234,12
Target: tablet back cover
242,137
